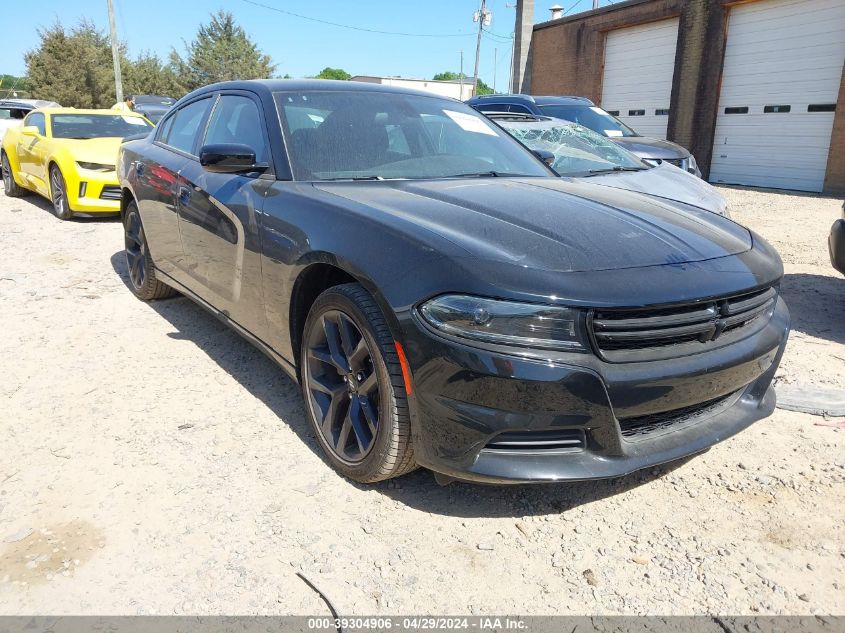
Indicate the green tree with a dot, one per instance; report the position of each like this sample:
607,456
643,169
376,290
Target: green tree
148,75
334,73
72,67
10,84
482,88
221,51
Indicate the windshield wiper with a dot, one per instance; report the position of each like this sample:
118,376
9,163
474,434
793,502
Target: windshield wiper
356,178
489,174
596,172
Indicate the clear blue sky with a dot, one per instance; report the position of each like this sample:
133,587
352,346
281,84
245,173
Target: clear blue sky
298,46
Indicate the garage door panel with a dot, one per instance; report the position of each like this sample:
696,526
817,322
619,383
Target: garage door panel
639,63
779,52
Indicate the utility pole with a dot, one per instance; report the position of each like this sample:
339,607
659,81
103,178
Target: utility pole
595,4
115,53
495,54
483,17
462,75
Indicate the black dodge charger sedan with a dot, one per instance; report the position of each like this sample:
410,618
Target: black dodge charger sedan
442,297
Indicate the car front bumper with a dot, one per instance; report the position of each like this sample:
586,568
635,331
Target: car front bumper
836,245
464,398
93,192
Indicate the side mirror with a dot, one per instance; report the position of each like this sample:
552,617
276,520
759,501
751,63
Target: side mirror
30,130
544,155
229,158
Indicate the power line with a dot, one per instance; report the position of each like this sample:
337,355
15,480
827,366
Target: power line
353,28
504,38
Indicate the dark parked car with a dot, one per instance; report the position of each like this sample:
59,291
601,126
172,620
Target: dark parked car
836,243
584,112
444,299
153,106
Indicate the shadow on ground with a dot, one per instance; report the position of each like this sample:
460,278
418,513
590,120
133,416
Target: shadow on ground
267,382
817,304
34,200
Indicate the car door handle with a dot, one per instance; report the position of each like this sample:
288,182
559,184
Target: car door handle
184,195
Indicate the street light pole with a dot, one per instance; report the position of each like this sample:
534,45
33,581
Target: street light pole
115,53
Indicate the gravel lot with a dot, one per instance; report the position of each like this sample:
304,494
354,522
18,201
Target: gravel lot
154,463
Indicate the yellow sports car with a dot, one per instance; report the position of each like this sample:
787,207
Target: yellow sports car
68,156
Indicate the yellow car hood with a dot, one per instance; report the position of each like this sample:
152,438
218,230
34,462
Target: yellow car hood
92,150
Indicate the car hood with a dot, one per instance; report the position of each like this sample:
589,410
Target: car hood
646,147
667,181
92,150
549,223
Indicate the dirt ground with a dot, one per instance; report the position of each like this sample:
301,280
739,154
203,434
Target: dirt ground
152,462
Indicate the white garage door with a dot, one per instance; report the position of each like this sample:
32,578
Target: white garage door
639,63
780,81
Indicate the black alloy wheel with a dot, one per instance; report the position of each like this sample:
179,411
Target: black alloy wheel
352,384
142,274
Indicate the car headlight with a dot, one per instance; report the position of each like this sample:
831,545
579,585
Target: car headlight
504,322
95,166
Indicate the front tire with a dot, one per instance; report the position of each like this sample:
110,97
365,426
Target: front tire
11,188
58,194
353,387
142,273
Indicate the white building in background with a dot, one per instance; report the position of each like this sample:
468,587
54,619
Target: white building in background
453,89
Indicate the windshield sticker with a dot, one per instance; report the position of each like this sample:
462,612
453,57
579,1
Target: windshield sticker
134,120
469,122
613,133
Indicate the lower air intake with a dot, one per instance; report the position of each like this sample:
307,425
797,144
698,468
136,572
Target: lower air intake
566,440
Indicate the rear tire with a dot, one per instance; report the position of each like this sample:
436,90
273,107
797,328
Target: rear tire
11,188
353,387
142,273
58,194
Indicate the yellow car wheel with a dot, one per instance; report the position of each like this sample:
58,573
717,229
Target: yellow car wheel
12,189
58,193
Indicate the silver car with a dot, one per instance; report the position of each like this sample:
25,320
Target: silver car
573,150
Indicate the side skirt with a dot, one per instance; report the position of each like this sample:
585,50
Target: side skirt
288,367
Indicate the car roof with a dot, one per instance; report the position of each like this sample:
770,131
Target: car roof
88,111
29,103
284,85
535,99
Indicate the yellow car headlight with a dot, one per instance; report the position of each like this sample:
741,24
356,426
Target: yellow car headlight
95,166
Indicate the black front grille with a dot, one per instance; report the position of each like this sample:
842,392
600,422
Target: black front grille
110,192
651,334
677,162
562,440
644,425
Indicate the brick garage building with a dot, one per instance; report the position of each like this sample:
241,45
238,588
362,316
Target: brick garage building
754,88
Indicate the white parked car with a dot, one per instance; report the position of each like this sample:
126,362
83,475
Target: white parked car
573,150
13,111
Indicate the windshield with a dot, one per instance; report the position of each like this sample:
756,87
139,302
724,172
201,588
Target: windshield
578,151
84,126
373,135
589,116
